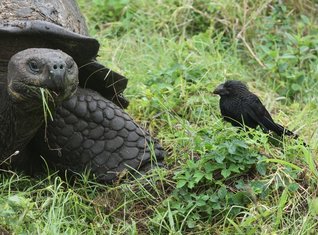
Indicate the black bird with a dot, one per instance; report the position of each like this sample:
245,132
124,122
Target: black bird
241,107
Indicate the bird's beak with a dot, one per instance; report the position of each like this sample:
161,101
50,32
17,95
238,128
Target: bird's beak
219,89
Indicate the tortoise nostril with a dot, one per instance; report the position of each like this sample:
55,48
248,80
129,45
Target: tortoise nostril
58,66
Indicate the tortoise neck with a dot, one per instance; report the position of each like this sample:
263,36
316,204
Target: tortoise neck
18,124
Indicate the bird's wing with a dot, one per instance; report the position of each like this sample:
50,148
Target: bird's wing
257,111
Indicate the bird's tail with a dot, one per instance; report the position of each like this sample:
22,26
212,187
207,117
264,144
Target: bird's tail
280,130
269,124
283,131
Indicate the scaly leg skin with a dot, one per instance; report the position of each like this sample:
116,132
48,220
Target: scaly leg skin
90,132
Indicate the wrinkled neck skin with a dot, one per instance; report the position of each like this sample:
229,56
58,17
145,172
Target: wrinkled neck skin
19,121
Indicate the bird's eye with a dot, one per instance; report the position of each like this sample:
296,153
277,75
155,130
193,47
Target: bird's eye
33,65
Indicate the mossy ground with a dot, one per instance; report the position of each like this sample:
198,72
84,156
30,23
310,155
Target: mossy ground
218,180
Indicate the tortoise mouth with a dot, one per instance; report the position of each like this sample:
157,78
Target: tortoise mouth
26,91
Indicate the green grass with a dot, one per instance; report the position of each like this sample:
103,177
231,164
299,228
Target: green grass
46,95
218,180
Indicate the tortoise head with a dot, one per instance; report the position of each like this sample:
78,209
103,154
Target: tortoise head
36,68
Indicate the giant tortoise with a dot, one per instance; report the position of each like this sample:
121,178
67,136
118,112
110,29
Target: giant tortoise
45,42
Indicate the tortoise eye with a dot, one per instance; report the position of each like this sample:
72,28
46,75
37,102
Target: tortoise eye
70,66
33,65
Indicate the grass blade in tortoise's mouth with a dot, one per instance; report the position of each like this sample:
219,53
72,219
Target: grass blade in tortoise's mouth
46,95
